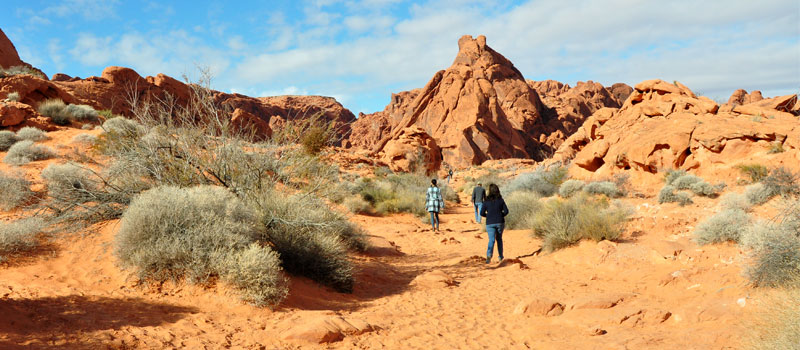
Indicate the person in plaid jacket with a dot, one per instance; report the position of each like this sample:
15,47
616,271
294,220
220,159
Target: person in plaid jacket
434,204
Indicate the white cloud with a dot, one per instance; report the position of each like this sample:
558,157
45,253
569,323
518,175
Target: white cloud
88,9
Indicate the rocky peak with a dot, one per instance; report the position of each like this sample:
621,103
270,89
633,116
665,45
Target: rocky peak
8,53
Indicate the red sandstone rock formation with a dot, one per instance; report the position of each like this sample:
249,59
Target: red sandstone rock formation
8,53
664,125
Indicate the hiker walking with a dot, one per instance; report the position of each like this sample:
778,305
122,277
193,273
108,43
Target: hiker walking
434,204
494,209
478,194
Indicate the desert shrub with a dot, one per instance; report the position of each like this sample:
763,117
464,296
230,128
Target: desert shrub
782,181
775,325
668,194
400,193
82,113
312,240
383,171
31,133
685,182
736,201
7,139
316,138
775,147
19,236
26,151
607,188
15,189
670,175
570,187
490,177
106,114
18,70
755,172
357,205
84,138
13,97
522,208
726,225
56,110
682,181
561,223
775,255
256,272
758,193
623,182
544,181
197,233
123,126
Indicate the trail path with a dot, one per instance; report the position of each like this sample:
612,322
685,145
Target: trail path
418,289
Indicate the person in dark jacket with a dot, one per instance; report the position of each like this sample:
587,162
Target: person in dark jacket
478,194
495,210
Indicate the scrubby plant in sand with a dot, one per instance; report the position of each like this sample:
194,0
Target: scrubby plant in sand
782,181
15,190
570,187
776,325
63,114
669,194
85,138
399,193
26,151
755,172
544,181
31,133
607,188
357,205
18,70
13,97
679,186
522,206
7,139
199,233
726,225
561,223
19,236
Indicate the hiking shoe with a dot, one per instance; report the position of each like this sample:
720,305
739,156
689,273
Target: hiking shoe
500,261
488,260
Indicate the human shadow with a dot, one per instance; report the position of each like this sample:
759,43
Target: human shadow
69,321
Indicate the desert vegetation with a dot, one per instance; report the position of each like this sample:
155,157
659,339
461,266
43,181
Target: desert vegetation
18,70
395,193
680,186
26,151
13,97
561,223
64,114
15,189
19,236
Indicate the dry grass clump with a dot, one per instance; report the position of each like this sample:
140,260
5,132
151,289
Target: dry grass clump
775,252
522,207
491,177
782,181
776,325
15,189
123,126
171,233
561,223
755,172
758,193
570,187
63,114
544,181
13,97
26,151
85,138
357,205
399,193
18,70
19,236
726,225
607,188
735,201
7,139
669,194
31,133
680,186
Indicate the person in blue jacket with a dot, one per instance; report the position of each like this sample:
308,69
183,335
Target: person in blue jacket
494,209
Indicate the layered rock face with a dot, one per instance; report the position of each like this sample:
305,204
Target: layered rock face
480,108
664,125
8,53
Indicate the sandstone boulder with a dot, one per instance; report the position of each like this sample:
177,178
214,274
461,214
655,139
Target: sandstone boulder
741,97
247,122
435,278
539,307
15,113
413,149
325,329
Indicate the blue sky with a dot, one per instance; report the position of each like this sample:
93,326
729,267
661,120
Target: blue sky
361,51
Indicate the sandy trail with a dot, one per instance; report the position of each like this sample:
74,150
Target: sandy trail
655,289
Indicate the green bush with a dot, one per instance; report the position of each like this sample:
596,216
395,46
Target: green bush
561,223
570,187
522,208
7,139
198,233
759,193
607,188
544,181
668,194
24,152
726,225
19,236
15,189
755,172
31,133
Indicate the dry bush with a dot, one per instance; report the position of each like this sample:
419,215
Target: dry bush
782,181
726,225
19,236
755,172
670,175
561,223
56,110
77,196
400,193
24,152
775,147
357,205
124,126
13,97
570,187
18,70
776,325
683,181
544,181
31,133
198,233
85,138
15,189
775,252
489,178
607,188
759,193
736,201
7,139
522,207
669,194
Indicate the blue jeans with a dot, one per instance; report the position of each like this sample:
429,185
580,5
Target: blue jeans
478,207
495,232
434,220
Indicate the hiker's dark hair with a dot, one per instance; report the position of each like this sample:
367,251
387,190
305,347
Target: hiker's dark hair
494,193
433,182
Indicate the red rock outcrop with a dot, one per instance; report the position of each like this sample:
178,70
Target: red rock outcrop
412,150
480,108
370,129
664,125
8,53
741,97
33,90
